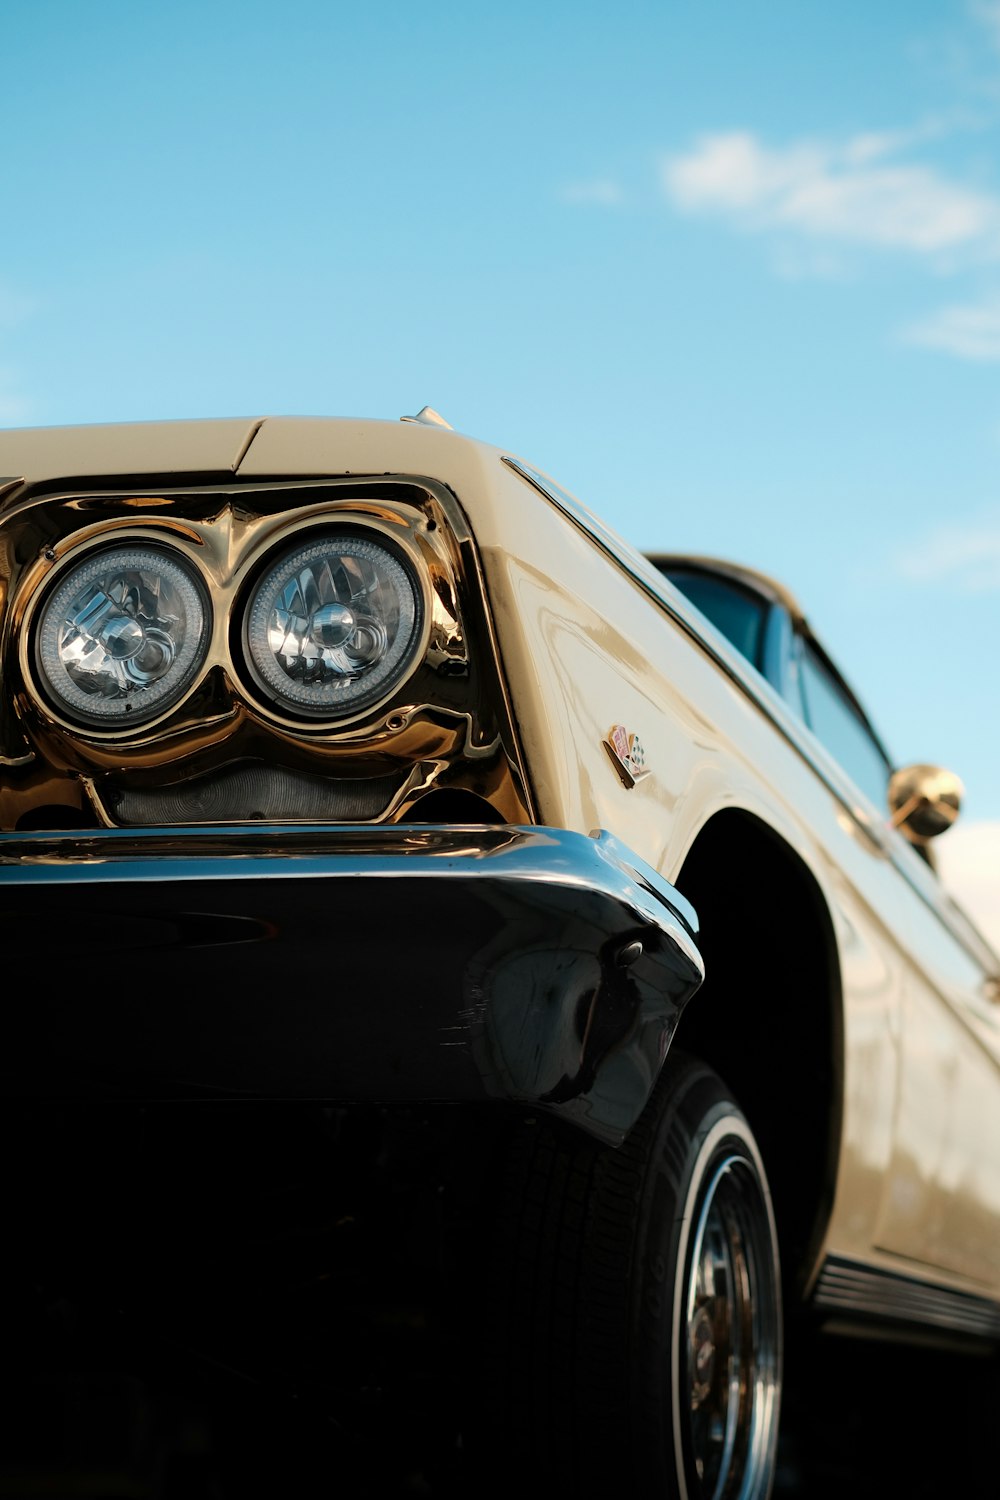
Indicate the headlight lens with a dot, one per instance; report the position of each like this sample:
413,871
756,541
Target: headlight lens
333,625
121,637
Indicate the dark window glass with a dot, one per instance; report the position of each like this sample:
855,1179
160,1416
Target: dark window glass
835,721
738,614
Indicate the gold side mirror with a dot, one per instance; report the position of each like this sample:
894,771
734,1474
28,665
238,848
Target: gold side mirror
924,801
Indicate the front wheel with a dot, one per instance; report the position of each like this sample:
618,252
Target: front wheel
635,1333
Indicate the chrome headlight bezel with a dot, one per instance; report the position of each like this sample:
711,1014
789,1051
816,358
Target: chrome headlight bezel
325,678
148,656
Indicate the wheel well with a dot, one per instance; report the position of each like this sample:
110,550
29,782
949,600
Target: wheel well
769,1016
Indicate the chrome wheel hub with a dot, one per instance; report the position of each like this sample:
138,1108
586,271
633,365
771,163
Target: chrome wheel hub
732,1340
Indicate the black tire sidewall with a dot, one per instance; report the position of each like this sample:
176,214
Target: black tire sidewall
697,1126
587,1263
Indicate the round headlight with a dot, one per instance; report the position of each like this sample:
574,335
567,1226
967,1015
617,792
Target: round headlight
333,625
121,637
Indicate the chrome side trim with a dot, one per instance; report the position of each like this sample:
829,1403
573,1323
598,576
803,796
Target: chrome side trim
850,1289
755,687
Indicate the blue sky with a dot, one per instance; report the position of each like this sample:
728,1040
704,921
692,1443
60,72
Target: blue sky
730,271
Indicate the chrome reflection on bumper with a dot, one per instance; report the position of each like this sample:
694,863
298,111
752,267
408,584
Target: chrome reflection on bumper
408,962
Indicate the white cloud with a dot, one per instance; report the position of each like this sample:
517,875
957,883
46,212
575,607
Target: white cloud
967,555
971,332
852,193
601,190
968,859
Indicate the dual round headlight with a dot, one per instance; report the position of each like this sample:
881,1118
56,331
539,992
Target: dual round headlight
329,628
333,625
122,636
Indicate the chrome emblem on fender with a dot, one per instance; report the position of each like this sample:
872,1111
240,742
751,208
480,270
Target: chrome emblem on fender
627,754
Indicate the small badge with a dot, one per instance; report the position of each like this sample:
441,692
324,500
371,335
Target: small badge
627,754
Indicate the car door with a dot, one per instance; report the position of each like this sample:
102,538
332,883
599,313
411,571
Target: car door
940,1203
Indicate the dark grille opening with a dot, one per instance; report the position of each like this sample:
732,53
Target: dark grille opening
254,791
452,805
53,816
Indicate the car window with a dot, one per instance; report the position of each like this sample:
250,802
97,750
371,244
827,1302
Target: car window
739,614
836,722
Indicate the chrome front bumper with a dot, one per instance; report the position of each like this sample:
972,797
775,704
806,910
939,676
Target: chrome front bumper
409,962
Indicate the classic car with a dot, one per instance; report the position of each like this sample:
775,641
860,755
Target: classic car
563,898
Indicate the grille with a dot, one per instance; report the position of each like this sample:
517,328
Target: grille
254,791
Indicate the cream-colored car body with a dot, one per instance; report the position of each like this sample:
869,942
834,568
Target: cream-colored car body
591,637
